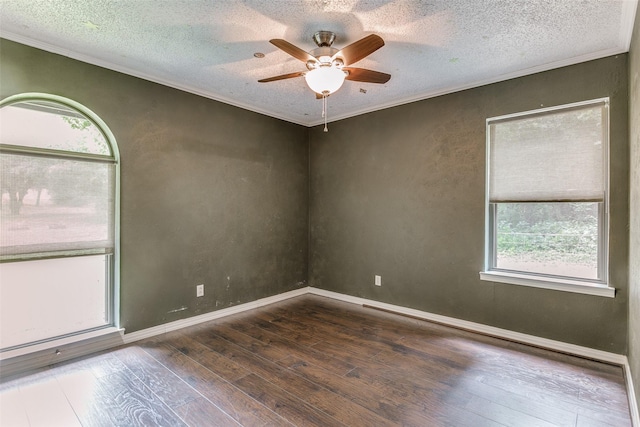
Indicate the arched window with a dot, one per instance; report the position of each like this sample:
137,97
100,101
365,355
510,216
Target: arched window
58,220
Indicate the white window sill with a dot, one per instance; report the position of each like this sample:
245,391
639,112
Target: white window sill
566,285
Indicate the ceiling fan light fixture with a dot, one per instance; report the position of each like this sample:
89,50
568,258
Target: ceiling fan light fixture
329,67
325,79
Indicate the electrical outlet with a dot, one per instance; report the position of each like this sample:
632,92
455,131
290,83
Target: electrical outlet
200,291
377,280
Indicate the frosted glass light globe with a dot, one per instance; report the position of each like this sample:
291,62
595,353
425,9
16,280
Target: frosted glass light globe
325,79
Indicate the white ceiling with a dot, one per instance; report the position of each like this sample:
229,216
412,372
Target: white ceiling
432,47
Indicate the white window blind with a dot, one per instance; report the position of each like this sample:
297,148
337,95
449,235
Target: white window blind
551,156
55,204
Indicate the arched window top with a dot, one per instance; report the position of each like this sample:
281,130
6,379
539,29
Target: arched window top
64,125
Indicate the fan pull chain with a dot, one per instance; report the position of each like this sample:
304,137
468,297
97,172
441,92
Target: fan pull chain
324,110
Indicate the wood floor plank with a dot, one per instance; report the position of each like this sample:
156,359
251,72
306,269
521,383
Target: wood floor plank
349,336
376,401
264,349
387,353
46,405
12,410
81,389
238,405
201,412
222,366
284,403
443,369
306,337
367,326
503,414
173,391
551,411
539,395
600,414
339,335
291,348
121,399
308,326
139,404
584,421
343,410
101,364
353,355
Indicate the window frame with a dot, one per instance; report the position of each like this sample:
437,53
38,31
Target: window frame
113,256
600,286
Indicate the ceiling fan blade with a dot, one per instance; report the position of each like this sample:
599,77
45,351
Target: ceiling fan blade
282,77
369,76
292,50
360,49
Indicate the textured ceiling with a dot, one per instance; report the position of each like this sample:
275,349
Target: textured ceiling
432,47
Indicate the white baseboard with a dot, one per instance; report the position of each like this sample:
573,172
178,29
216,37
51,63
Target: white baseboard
633,403
559,346
190,321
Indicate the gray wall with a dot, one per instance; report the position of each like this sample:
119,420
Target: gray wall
211,193
634,256
400,193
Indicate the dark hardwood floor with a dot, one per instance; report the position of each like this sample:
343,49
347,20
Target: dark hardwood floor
312,361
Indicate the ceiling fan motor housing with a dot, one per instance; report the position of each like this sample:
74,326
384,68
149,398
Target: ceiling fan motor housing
324,38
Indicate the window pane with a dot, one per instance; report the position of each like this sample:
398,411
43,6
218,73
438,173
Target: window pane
51,204
58,128
548,238
49,298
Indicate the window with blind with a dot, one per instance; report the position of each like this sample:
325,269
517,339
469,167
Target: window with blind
57,221
547,179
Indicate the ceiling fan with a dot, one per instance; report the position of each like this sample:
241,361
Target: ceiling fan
328,67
